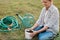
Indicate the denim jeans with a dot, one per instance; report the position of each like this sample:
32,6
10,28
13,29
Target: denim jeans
45,35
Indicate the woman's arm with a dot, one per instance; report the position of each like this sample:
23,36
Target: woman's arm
34,26
43,29
40,20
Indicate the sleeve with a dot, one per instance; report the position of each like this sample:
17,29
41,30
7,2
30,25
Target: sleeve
53,19
40,19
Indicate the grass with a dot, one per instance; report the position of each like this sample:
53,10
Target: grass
11,7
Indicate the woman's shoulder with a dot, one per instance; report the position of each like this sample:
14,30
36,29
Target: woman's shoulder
54,8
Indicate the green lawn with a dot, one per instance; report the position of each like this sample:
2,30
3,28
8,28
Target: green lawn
11,7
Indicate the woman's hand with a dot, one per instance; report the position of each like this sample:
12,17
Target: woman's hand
34,33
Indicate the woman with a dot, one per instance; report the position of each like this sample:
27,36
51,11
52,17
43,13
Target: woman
47,26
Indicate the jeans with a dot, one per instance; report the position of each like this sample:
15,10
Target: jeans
45,35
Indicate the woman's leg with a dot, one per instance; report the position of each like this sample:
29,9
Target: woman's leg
45,36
